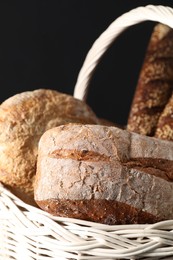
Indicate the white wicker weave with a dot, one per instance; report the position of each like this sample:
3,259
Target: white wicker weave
28,233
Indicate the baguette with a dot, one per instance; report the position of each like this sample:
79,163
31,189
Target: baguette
155,82
164,128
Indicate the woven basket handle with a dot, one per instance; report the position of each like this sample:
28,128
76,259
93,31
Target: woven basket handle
158,13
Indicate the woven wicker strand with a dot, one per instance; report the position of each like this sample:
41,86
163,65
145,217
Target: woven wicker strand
158,13
28,231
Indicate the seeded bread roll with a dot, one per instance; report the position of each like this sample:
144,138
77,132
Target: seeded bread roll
23,119
155,82
104,174
164,128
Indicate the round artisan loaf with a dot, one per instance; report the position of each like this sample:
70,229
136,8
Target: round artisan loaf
23,119
104,174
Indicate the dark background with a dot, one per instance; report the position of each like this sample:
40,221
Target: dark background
43,45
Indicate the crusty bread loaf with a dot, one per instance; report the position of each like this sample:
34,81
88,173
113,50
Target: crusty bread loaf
154,86
23,119
104,174
164,128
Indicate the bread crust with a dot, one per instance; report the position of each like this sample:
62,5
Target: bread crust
154,86
164,128
108,212
23,119
86,163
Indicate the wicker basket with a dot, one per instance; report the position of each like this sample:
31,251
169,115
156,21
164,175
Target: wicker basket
29,233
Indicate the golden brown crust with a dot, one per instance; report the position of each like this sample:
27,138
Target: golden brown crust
155,82
101,163
23,119
164,128
100,211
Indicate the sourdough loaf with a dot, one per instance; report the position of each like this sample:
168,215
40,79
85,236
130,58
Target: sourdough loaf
104,174
154,86
23,119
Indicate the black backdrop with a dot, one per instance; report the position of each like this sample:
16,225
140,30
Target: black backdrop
43,45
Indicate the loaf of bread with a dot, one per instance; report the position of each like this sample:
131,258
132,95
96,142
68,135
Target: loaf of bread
104,174
164,128
154,86
23,119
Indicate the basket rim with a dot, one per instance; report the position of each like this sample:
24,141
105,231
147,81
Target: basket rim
78,239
